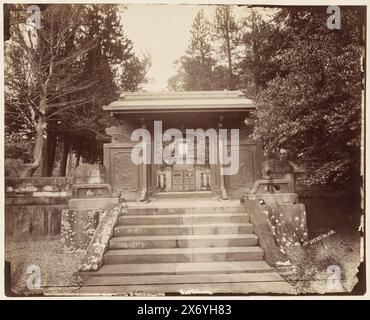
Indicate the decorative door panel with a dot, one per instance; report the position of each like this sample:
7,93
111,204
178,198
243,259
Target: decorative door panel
183,180
177,181
189,180
247,173
124,174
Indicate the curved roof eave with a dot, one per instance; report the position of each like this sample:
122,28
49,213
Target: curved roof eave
209,101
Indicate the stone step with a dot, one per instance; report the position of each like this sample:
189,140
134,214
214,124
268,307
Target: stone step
92,203
182,218
118,256
239,283
206,289
185,210
167,229
180,268
59,202
178,278
183,241
208,195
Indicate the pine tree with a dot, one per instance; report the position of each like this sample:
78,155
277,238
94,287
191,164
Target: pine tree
195,68
226,32
260,39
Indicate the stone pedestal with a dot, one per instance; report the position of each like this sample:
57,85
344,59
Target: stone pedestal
89,173
90,197
276,185
98,190
279,169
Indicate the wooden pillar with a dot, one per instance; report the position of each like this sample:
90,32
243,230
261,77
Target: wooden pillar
144,177
220,157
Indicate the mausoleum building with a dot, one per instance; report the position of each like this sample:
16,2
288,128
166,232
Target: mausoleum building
209,112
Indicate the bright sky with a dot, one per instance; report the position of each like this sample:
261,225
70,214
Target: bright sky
163,31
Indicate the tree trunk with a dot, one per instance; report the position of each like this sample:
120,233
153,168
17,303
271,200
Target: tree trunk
256,56
63,161
230,67
92,155
70,160
53,147
37,150
49,155
78,157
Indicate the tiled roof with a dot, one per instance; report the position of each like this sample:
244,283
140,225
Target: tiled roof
180,101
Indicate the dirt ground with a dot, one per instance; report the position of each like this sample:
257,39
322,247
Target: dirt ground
314,263
57,267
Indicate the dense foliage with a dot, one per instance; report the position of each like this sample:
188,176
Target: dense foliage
306,79
312,108
58,77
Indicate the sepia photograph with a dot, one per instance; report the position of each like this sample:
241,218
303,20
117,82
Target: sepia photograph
183,150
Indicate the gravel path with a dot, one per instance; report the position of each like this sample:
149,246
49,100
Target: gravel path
57,267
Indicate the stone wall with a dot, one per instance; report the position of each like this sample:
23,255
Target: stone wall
33,206
330,209
33,222
38,187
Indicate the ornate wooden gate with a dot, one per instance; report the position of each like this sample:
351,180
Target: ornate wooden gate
183,180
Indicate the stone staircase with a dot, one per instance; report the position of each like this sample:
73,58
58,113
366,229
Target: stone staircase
208,249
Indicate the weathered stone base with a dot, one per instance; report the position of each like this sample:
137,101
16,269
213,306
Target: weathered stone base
270,198
78,227
288,222
100,241
92,203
